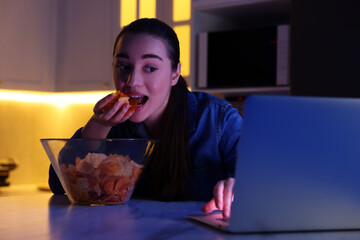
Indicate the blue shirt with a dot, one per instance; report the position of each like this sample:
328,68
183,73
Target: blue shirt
214,132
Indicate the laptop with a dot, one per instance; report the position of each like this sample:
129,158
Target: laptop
298,166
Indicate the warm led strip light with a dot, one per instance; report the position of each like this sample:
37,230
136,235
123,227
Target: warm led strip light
60,100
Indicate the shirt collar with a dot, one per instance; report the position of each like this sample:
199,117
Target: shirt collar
192,111
139,129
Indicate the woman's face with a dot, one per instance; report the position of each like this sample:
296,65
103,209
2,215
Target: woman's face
142,70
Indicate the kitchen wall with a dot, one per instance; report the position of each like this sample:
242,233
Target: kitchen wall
23,123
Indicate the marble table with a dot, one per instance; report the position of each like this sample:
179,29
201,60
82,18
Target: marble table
41,215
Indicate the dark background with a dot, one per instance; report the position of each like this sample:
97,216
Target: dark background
325,48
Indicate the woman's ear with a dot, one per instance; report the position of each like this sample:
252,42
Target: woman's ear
175,75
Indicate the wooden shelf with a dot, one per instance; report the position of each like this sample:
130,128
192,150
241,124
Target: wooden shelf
246,91
222,15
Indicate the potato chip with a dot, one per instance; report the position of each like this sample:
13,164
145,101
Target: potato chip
122,98
101,179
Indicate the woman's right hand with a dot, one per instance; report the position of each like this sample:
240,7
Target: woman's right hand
102,120
115,114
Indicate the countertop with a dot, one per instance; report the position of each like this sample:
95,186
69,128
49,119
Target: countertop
33,214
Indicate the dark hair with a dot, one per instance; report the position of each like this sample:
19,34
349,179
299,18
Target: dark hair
170,160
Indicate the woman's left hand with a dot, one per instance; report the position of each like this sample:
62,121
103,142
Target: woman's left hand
223,197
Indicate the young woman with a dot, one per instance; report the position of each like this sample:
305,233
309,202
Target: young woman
197,132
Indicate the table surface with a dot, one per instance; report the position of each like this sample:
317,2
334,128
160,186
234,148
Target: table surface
32,214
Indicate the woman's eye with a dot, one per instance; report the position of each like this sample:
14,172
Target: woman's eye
150,69
122,66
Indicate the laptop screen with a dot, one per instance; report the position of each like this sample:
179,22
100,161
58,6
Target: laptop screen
298,165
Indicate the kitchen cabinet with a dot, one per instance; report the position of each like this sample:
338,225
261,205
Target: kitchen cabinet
57,45
86,35
223,15
27,44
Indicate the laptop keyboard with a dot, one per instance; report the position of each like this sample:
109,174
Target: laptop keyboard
223,219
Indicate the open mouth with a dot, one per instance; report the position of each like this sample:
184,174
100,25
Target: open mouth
140,100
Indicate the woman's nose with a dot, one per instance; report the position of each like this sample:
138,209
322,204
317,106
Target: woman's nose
133,79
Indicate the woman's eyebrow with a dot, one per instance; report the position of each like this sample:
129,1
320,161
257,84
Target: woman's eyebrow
145,56
150,55
122,55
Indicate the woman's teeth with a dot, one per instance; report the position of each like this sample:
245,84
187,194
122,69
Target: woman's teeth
139,99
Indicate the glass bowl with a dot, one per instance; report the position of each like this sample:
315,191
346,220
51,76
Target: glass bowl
98,171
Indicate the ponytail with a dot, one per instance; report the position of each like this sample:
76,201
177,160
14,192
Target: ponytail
170,163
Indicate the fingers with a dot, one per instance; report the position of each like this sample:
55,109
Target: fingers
228,196
219,194
100,105
106,115
209,207
223,197
112,115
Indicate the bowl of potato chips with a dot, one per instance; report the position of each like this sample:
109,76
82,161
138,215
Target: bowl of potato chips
98,171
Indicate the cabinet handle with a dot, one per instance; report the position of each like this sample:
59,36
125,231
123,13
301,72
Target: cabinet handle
105,86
